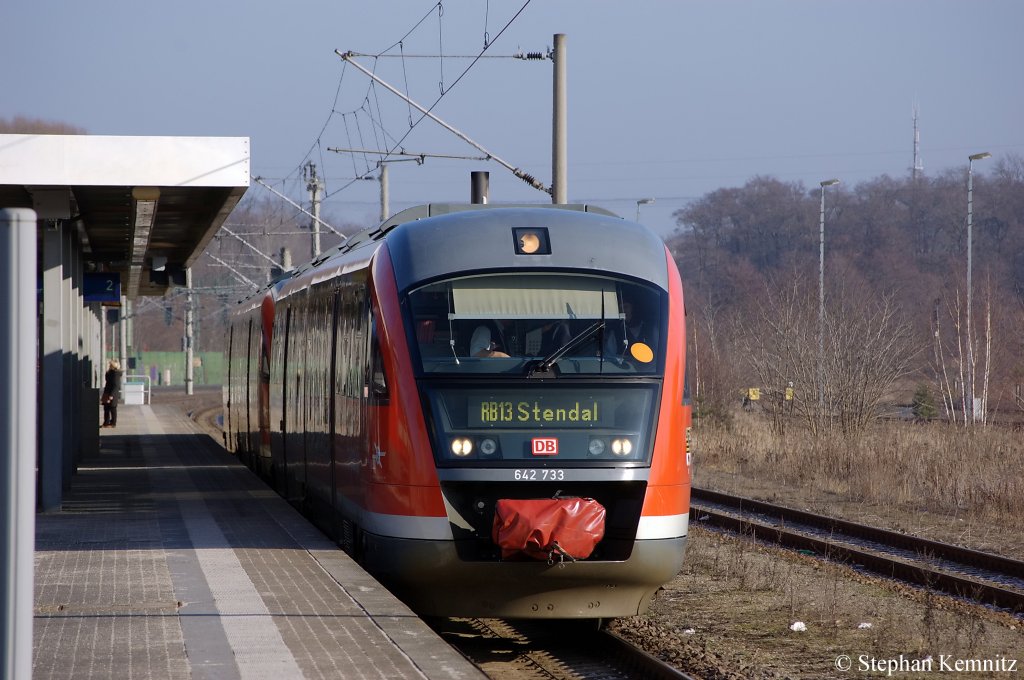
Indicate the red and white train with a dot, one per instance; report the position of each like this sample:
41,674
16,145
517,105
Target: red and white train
483,405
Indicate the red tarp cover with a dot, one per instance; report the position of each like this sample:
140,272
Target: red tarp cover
534,526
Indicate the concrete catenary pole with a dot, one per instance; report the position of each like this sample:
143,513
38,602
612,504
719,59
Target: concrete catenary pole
315,187
559,141
384,199
18,431
122,327
103,344
129,313
189,330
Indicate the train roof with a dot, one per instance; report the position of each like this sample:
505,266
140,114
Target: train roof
579,238
438,239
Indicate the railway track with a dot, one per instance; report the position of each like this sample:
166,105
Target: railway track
555,650
524,649
978,576
962,572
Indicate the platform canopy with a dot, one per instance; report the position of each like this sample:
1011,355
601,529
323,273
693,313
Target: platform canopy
144,207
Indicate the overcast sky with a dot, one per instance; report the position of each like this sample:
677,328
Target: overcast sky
668,100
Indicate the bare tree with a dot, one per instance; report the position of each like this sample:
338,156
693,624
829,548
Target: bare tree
34,126
780,344
867,349
956,376
713,380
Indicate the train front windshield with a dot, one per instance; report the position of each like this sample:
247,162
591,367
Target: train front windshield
535,370
518,323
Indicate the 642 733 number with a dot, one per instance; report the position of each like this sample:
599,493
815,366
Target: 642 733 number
538,475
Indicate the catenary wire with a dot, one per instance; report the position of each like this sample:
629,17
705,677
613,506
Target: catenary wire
438,100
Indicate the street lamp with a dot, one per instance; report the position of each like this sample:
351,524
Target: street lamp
821,296
642,201
970,414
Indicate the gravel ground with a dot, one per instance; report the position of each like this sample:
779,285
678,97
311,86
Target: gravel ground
732,611
729,612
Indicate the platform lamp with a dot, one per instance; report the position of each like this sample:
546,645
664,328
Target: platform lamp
821,295
642,201
970,411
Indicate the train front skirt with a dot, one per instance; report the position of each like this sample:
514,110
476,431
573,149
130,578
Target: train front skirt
434,581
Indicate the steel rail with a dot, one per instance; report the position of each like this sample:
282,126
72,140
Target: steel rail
781,525
936,549
555,649
641,663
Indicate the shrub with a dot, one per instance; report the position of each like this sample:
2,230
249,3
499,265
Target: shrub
924,403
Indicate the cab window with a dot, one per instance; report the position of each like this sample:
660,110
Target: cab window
508,323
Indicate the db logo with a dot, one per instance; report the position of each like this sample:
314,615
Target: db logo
545,446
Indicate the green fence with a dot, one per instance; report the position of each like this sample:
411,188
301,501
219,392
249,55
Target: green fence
168,368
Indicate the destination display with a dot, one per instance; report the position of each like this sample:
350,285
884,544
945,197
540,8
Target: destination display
568,424
561,412
554,408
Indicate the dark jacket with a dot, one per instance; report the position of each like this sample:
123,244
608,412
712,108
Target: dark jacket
112,386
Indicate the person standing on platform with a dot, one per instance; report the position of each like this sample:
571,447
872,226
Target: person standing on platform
111,393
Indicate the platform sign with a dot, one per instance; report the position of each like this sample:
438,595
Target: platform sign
102,287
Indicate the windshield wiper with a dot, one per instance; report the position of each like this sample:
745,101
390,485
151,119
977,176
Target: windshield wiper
545,364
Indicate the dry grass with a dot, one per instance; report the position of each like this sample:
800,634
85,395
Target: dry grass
729,612
932,468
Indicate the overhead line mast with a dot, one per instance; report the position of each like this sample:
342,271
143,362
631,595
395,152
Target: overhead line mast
315,188
560,125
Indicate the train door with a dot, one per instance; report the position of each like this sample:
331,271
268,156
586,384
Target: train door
332,387
280,452
347,429
317,324
262,445
295,405
246,391
229,393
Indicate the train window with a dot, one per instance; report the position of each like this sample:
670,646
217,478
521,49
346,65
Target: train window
377,389
515,322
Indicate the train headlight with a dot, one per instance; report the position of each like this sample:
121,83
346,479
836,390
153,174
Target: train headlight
622,447
529,243
596,447
531,240
488,447
462,446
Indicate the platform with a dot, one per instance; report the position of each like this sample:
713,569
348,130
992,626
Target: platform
169,559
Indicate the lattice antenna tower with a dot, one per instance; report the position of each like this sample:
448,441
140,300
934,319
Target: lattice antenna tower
918,166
